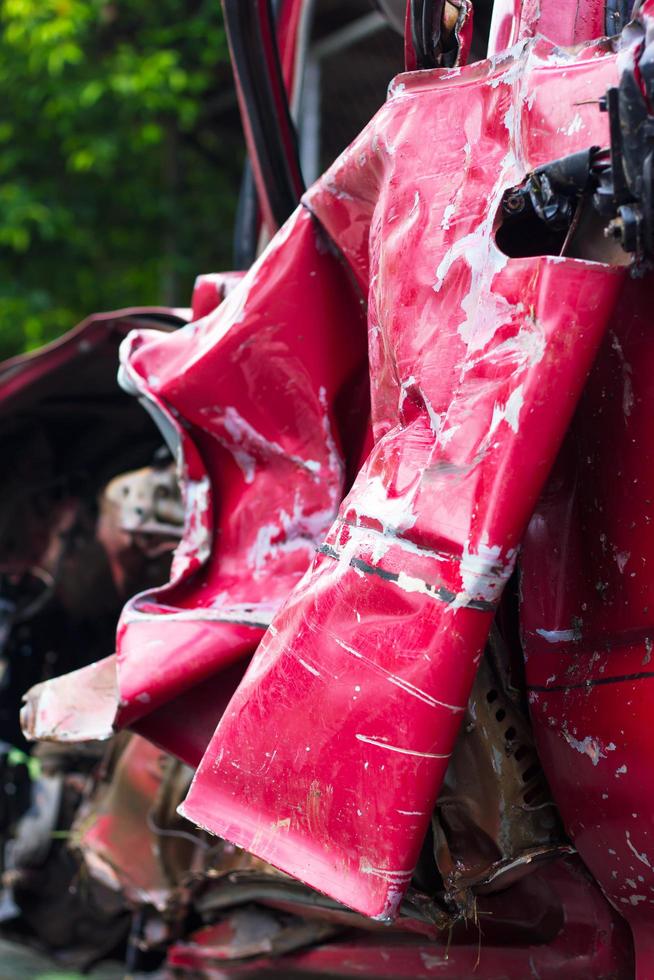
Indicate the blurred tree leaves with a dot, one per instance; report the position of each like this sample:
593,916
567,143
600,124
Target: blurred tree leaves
120,155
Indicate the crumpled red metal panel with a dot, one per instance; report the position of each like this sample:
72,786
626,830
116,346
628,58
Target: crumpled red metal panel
255,385
329,757
259,397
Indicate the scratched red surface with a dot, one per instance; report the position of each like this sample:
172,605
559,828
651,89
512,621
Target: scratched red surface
329,756
588,619
328,759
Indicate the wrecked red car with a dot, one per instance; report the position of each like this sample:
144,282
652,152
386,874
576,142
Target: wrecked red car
388,715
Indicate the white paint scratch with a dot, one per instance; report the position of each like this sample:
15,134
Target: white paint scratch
381,743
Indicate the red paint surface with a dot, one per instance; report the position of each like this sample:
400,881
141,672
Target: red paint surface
210,290
588,619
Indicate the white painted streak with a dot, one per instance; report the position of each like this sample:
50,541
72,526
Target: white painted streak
643,858
559,636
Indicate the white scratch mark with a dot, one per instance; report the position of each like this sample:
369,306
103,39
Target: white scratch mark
575,125
381,743
643,858
400,682
312,670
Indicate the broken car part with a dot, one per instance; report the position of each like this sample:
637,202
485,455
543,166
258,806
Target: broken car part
360,568
464,346
616,181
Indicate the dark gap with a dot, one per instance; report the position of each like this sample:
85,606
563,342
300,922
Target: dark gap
529,773
519,237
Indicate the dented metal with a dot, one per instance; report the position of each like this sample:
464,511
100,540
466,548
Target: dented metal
411,522
465,355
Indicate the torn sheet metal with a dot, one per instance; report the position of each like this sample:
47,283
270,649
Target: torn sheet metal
261,446
248,932
119,829
330,755
583,938
140,523
564,23
56,711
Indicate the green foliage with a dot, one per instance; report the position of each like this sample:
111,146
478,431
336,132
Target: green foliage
120,154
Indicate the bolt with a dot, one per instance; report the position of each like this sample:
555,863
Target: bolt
514,203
